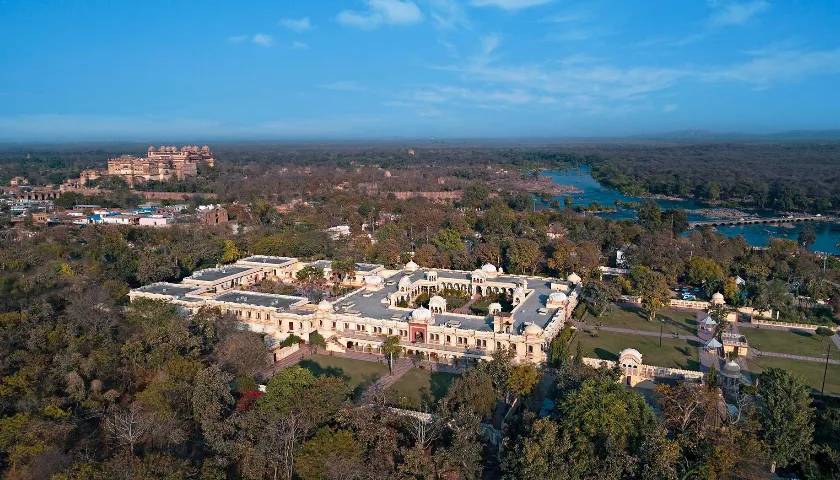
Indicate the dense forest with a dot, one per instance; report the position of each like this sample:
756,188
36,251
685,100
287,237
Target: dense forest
785,177
92,387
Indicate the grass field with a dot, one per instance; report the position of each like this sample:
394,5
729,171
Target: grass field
797,342
419,387
811,372
357,373
622,316
674,353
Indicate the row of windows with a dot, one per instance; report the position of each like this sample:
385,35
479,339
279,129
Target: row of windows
433,337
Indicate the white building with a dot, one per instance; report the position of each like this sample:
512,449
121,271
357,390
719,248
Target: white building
534,312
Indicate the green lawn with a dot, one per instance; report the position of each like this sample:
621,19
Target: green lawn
419,387
357,373
679,321
811,372
674,353
796,342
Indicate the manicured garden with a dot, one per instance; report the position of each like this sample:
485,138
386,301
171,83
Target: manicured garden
419,387
811,372
357,373
795,342
626,316
481,306
674,353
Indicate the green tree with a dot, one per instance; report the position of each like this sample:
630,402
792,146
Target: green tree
652,287
316,340
391,349
599,296
211,404
330,454
524,256
522,379
705,272
650,215
230,252
786,415
343,269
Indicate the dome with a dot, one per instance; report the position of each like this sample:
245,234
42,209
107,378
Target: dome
494,307
532,329
717,299
488,268
324,306
422,314
630,354
437,300
411,266
405,282
573,278
731,368
557,297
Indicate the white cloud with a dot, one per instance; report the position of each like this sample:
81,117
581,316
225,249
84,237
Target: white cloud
382,12
736,13
296,45
448,14
509,5
768,67
296,24
262,39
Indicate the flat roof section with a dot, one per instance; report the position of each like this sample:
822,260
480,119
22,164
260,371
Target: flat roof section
213,274
370,303
165,288
268,259
360,267
260,299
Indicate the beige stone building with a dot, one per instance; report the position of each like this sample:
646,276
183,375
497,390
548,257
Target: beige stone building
377,306
161,163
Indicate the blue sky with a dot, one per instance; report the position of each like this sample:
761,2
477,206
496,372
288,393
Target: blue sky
249,69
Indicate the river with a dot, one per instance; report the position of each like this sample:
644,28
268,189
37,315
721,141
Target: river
828,233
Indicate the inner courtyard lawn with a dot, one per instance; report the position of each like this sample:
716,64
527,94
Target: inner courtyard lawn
673,353
419,387
627,316
811,372
357,373
797,342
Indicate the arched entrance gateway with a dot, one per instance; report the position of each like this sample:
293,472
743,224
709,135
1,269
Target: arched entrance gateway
418,324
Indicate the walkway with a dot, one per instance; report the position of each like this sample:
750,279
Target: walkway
794,357
632,331
401,367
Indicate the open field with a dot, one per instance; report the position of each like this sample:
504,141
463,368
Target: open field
357,373
796,342
674,353
625,316
811,372
419,387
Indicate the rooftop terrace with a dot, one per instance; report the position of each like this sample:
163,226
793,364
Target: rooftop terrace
214,274
261,299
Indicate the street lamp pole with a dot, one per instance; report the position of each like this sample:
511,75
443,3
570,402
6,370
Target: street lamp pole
660,335
825,370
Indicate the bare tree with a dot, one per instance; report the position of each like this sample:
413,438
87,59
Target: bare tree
425,431
129,426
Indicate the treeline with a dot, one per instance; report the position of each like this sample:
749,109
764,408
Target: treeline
785,177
